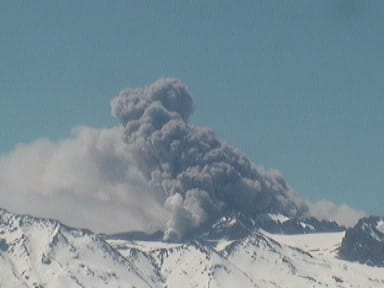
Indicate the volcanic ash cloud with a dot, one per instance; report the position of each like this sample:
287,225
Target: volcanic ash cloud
163,174
197,176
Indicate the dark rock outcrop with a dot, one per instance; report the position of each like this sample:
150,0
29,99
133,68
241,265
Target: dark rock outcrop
364,242
237,226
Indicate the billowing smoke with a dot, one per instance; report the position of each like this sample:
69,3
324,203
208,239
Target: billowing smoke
156,172
87,180
342,214
198,176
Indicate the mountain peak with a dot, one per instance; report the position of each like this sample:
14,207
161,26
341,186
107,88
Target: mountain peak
38,252
364,242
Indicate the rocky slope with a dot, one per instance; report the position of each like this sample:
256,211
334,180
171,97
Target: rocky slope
36,252
365,242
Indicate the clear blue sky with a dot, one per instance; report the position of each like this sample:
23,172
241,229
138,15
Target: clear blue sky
296,85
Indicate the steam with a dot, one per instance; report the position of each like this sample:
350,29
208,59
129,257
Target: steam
88,180
342,214
157,171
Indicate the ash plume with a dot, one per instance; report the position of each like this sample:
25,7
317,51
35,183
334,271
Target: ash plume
197,176
156,172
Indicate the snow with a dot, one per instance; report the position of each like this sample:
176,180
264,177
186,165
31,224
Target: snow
304,225
261,260
145,246
324,248
380,226
315,243
44,252
278,218
222,244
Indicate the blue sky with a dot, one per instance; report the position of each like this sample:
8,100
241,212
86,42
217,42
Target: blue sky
296,85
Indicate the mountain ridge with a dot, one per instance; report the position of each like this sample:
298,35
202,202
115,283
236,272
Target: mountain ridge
364,242
40,253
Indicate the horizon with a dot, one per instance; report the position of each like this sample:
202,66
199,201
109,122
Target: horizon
295,87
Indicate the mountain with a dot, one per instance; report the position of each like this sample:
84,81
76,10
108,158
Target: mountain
365,242
237,225
38,252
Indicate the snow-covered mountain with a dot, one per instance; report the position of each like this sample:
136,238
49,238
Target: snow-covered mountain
37,252
237,225
365,242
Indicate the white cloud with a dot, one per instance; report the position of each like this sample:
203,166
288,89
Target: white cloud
342,214
87,180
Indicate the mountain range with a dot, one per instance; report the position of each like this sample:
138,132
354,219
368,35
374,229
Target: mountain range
271,250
